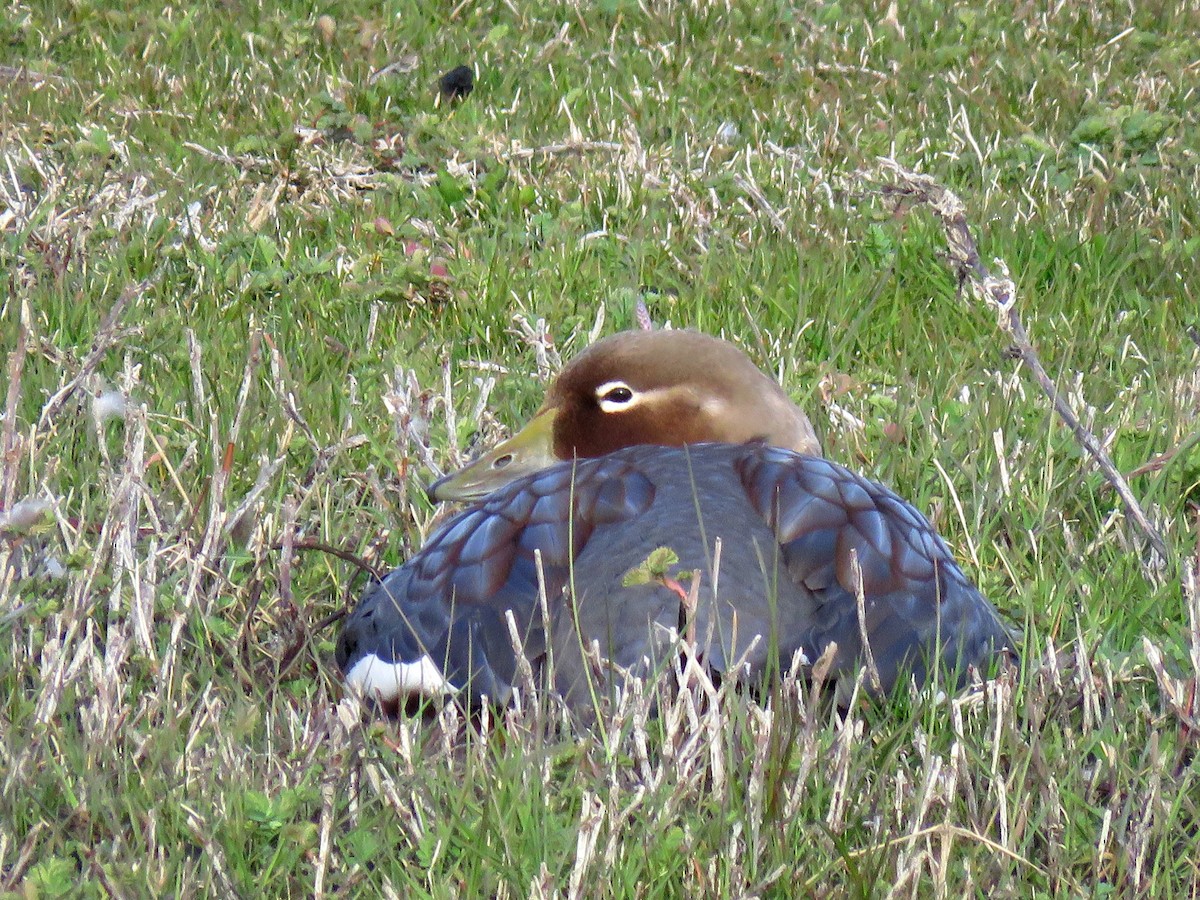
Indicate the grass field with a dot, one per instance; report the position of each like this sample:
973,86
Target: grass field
261,282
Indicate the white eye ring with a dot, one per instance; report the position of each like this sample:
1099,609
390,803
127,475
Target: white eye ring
616,396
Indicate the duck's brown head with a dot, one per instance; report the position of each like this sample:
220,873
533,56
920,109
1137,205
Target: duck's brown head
641,387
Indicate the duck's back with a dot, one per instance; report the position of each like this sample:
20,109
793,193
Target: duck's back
700,504
798,535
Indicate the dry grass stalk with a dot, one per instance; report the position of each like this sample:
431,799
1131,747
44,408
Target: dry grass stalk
202,832
10,451
325,842
577,147
108,335
591,818
999,292
871,668
745,183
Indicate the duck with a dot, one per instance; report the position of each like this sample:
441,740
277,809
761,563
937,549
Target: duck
666,439
664,388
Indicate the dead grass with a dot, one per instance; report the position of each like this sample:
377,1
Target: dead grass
256,296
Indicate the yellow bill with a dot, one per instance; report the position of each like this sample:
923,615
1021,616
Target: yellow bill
529,450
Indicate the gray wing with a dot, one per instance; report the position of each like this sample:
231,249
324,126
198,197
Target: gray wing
834,528
438,624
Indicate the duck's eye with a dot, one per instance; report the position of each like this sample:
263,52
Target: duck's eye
614,396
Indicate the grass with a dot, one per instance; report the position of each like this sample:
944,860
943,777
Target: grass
280,292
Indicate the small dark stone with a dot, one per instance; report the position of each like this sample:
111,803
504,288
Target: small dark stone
457,83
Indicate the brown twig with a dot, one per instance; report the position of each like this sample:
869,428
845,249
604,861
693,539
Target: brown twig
1000,293
689,601
352,558
1162,460
330,619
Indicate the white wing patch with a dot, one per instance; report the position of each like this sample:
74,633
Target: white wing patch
387,681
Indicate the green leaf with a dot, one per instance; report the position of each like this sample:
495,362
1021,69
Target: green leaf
363,845
261,809
1100,128
1143,129
450,188
53,877
654,568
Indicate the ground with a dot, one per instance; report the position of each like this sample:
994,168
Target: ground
264,278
